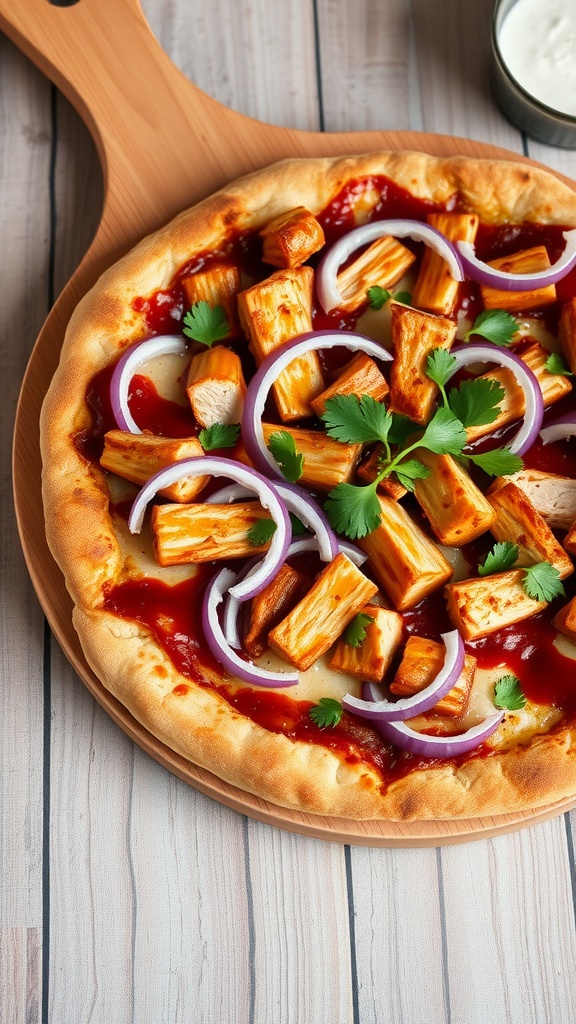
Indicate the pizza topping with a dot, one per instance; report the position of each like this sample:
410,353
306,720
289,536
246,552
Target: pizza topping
368,644
328,289
271,369
135,357
298,503
564,426
542,582
534,405
501,556
326,713
493,276
291,238
241,474
309,630
206,323
401,735
219,435
222,651
378,709
215,386
508,693
495,325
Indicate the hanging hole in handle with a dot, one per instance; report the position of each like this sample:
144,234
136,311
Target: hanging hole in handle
63,3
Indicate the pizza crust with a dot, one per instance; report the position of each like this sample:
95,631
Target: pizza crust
201,725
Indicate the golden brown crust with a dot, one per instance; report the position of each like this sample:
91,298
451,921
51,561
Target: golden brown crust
201,725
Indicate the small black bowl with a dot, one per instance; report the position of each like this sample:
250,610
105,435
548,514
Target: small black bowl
525,111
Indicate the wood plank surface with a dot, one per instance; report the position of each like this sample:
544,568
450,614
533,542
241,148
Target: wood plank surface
126,895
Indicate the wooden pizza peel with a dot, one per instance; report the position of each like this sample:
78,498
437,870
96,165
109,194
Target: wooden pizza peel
164,145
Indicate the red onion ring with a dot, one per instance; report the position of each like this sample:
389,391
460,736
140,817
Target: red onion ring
232,662
479,271
326,276
401,735
558,430
382,710
206,465
272,366
126,367
301,504
486,352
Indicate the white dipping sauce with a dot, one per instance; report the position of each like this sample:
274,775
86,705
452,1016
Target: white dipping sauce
538,43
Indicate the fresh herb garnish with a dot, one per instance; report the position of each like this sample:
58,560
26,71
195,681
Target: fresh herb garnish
542,582
206,324
476,402
298,528
501,557
354,510
508,694
282,446
357,420
498,462
440,366
261,532
355,633
219,435
496,325
378,297
326,713
557,364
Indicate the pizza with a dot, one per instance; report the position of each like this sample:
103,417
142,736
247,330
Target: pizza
309,476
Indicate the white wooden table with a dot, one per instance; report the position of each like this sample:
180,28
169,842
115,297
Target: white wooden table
127,896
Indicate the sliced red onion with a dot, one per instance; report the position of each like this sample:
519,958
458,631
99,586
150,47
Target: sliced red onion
558,430
206,465
401,735
486,275
126,367
232,607
224,654
382,710
327,273
485,352
269,370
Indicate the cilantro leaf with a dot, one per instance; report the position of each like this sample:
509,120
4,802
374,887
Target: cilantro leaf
404,297
496,325
508,694
298,528
283,447
542,582
556,364
377,296
353,511
355,633
356,420
498,462
411,470
445,434
402,428
476,402
326,713
204,324
440,366
502,556
261,532
219,435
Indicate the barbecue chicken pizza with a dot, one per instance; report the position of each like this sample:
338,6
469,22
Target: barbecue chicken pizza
310,475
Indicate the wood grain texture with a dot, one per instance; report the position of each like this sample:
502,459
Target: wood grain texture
161,904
